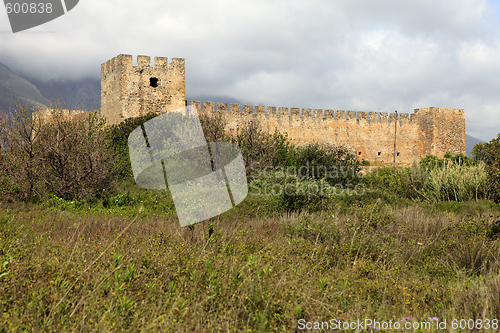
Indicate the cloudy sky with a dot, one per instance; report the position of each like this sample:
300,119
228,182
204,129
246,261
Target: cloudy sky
363,55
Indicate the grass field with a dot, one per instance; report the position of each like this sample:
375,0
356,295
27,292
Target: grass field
125,264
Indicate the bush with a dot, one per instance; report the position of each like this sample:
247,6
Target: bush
382,179
302,195
259,147
262,149
334,163
214,126
480,150
69,159
118,135
492,158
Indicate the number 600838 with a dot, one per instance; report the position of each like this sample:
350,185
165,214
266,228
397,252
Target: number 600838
26,8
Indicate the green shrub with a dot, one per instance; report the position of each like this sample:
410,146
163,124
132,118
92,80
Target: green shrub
312,176
118,137
454,207
262,149
452,178
334,163
480,150
492,157
383,178
288,192
303,195
493,231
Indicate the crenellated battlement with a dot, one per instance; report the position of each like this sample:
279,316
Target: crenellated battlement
65,114
125,61
371,134
320,114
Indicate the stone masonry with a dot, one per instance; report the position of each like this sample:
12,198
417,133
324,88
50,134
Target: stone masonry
428,131
131,91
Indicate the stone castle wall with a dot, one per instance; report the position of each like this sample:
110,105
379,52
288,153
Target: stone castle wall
131,91
371,134
47,114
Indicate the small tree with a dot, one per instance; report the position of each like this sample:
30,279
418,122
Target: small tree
260,148
492,158
480,150
214,126
67,158
77,159
20,157
336,164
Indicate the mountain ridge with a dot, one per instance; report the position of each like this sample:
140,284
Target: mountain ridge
83,94
15,89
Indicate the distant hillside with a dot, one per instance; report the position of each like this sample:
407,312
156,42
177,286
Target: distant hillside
84,94
470,142
15,89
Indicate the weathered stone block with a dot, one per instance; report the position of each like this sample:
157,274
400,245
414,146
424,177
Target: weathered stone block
234,109
271,110
295,112
247,109
260,110
384,117
283,110
208,107
221,107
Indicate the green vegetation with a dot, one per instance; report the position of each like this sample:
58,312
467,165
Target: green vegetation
451,178
418,243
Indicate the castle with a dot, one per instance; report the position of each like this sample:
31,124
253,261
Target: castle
130,91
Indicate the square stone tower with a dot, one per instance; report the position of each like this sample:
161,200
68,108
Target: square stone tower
440,130
132,91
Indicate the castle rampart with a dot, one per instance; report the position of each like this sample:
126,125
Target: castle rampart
428,131
47,114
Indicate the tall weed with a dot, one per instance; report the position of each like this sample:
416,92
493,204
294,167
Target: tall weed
451,182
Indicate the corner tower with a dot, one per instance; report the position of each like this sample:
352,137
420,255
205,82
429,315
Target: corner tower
132,91
440,130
